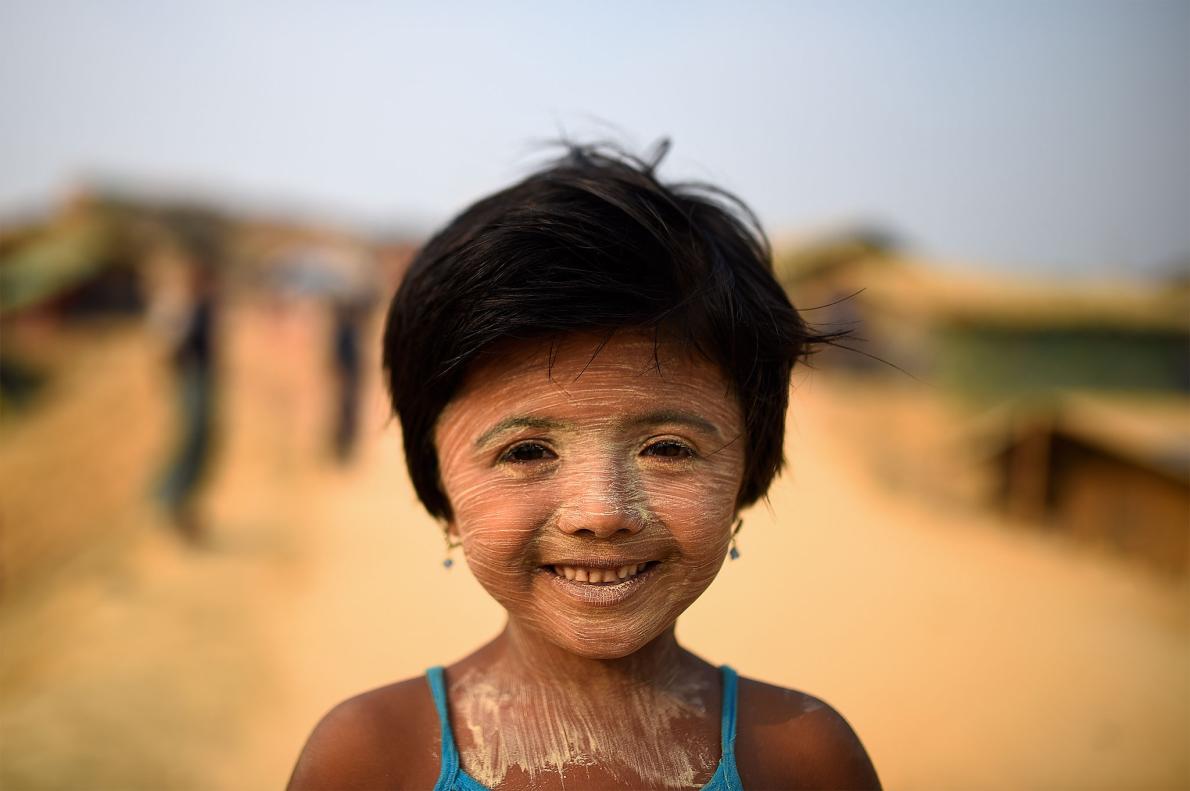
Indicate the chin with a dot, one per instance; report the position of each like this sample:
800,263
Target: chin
608,640
593,650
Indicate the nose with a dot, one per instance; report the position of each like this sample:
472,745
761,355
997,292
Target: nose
601,501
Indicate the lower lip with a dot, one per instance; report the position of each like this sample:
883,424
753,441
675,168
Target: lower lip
605,595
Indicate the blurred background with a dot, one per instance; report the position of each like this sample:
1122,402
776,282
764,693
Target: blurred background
979,552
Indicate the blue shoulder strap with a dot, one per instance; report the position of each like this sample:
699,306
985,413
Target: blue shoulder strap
727,776
730,695
450,754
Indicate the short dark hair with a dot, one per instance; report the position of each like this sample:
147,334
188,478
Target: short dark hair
594,241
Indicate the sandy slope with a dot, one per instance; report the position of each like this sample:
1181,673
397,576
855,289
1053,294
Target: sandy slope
966,655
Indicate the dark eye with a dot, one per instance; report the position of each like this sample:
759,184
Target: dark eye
527,451
668,449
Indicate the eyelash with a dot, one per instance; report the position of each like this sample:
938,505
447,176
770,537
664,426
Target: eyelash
510,454
684,451
540,452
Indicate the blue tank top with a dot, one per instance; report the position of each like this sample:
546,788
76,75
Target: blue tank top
453,778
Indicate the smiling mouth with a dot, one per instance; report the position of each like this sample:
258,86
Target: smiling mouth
600,575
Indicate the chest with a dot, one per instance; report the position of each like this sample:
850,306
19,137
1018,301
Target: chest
510,739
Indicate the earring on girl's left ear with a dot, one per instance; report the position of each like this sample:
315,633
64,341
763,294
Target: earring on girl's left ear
450,545
735,552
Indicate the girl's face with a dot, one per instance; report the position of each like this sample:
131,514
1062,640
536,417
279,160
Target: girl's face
594,492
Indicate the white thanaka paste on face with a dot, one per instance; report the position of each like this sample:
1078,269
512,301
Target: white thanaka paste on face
625,457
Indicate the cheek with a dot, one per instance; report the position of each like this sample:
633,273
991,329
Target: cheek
697,513
495,522
707,495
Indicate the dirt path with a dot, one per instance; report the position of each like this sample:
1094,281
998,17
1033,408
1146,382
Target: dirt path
966,655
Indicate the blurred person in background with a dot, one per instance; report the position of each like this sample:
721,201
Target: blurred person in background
193,357
350,314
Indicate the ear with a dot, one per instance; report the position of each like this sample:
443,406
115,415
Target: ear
450,530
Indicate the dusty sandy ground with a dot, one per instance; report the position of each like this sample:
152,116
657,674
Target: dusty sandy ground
967,654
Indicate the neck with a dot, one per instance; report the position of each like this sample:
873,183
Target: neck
521,653
637,721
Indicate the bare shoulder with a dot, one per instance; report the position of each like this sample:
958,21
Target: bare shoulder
385,738
788,739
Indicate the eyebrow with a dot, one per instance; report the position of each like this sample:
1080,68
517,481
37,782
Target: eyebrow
674,417
523,421
649,419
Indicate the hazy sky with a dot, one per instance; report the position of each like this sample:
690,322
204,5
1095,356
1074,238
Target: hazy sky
1050,136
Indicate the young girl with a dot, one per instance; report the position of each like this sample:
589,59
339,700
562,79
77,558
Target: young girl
591,369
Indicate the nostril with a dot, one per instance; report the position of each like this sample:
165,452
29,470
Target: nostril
600,520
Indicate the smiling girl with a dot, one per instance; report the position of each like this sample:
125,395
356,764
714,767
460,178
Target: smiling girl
591,369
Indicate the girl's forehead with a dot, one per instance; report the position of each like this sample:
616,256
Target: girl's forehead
591,369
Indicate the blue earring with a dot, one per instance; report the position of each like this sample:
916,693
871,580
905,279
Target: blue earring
734,554
450,545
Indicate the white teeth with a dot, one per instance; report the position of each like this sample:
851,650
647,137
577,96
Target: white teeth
599,575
